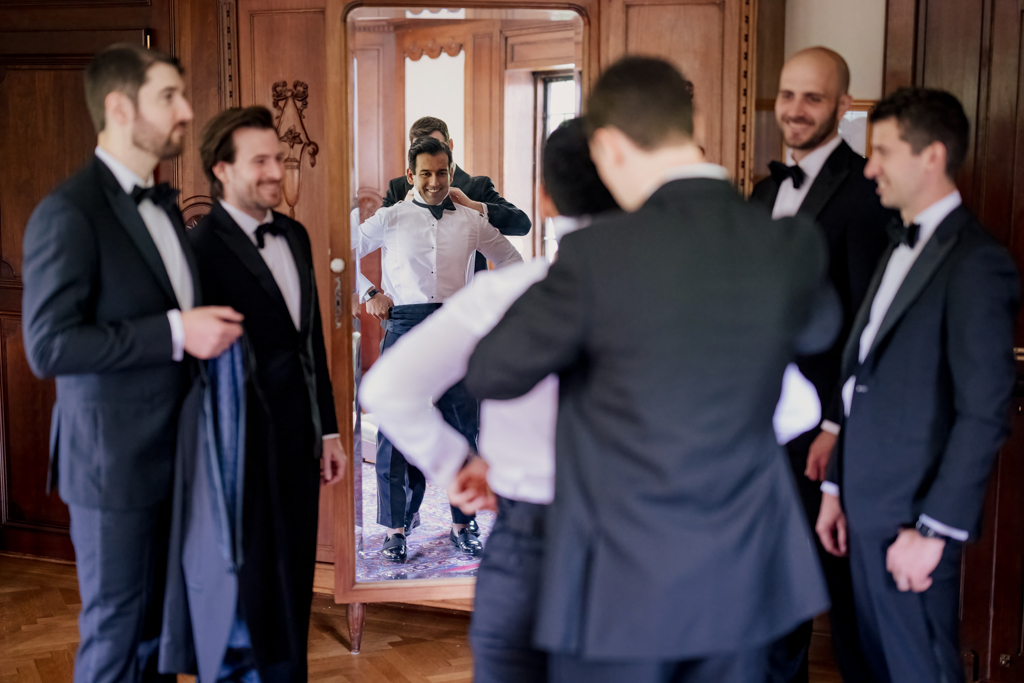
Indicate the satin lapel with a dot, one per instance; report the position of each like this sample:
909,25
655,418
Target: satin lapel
832,175
190,256
931,257
305,279
852,348
770,195
128,215
242,247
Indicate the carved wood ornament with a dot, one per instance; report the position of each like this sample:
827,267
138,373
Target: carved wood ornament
432,49
291,130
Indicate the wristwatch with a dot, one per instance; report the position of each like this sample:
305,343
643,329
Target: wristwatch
927,531
373,291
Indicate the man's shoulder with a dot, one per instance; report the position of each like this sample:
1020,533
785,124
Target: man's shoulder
762,189
291,224
79,195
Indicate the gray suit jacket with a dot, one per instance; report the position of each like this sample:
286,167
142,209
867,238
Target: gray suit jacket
95,302
670,329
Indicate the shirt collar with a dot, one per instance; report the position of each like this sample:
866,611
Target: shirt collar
812,164
246,222
126,178
701,170
929,219
563,225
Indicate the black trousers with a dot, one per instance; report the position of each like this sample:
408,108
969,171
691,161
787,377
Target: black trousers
740,667
507,588
401,486
788,656
907,637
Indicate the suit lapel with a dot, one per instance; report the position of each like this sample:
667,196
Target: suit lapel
242,247
128,215
931,257
305,279
851,351
769,194
832,175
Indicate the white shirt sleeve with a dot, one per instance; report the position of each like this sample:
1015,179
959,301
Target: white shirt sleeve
177,335
493,244
371,233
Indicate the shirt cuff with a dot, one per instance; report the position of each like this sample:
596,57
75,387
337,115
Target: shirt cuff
485,213
177,335
831,488
331,436
830,427
945,530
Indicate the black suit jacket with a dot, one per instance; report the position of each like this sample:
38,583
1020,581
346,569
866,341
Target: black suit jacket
665,413
94,309
931,402
503,215
846,207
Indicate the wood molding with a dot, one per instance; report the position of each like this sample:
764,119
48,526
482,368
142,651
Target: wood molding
432,49
74,4
71,49
227,26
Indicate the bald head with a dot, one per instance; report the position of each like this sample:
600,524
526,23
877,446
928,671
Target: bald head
813,97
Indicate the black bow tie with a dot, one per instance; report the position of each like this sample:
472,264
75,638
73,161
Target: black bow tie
780,172
272,228
903,234
162,195
438,210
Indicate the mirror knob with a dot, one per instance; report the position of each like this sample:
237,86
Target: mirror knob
337,265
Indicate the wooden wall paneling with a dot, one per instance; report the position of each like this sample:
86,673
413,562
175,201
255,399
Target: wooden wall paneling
483,101
540,49
901,43
769,55
518,168
704,39
284,41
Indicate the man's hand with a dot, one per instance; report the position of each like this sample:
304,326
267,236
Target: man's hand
333,461
459,197
409,196
831,526
818,455
379,306
912,558
469,491
210,330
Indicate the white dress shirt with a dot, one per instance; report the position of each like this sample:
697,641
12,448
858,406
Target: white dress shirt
789,199
900,263
161,230
517,436
277,254
425,260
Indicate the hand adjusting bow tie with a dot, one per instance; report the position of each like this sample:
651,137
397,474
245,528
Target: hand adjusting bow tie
272,228
438,210
162,195
781,171
903,234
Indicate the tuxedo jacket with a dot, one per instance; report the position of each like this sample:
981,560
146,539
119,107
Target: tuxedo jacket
846,206
94,309
503,215
931,403
670,329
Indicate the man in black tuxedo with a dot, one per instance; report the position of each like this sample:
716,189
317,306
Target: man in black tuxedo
260,262
927,378
110,309
823,179
673,501
501,213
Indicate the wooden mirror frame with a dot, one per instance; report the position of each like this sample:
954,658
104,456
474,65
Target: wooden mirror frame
341,163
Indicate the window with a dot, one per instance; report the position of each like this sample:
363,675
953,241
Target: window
560,98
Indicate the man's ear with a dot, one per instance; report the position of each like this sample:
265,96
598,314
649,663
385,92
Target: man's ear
220,172
843,106
451,146
607,147
934,156
409,176
118,108
547,204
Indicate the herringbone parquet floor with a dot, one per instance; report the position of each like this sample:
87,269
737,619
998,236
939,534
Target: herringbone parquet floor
39,606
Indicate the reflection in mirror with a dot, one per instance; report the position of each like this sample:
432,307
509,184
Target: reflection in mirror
498,81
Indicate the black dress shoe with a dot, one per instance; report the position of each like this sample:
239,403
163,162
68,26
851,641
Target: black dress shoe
466,541
474,527
412,522
394,548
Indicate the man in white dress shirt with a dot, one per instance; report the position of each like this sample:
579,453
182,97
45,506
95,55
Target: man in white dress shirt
516,437
111,308
927,378
427,249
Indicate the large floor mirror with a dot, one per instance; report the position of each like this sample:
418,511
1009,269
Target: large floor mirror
502,79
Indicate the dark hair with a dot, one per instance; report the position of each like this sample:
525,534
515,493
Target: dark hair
646,98
119,68
423,127
217,142
925,116
569,175
431,146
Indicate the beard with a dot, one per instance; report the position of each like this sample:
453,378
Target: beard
820,134
147,137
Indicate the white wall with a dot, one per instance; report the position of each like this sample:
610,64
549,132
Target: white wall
437,87
853,28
